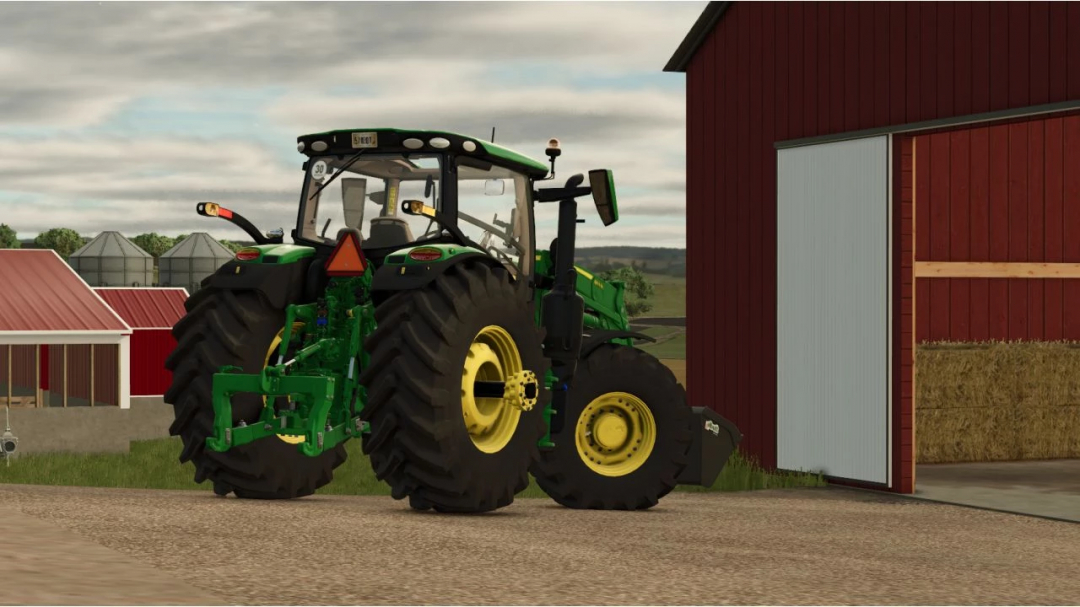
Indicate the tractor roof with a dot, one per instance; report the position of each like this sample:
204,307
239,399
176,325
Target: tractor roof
394,140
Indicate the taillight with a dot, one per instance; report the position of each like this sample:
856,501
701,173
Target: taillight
248,254
425,254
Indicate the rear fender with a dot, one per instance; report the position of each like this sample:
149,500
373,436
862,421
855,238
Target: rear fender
281,284
407,274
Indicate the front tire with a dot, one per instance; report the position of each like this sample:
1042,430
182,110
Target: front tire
235,328
625,435
432,440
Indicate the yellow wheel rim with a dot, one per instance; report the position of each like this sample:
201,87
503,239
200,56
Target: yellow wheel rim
493,356
615,434
274,345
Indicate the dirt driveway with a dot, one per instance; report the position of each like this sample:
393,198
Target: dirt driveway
817,546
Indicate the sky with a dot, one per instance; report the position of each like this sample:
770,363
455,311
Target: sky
122,116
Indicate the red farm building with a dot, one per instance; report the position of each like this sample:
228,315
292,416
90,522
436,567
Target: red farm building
151,314
60,344
862,177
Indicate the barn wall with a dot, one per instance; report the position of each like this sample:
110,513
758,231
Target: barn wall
772,72
107,374
903,409
1008,192
149,349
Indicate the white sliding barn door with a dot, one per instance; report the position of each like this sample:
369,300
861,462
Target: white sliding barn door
833,309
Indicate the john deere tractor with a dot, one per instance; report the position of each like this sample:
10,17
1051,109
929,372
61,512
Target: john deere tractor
414,311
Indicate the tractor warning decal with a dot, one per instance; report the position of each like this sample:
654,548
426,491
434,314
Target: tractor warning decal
318,172
712,426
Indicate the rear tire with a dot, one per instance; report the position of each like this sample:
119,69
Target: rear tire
614,373
419,443
235,328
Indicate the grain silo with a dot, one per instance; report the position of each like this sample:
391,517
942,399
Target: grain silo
191,260
111,260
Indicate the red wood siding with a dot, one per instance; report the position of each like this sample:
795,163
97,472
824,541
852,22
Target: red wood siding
20,361
903,395
105,370
149,349
107,374
1005,192
834,67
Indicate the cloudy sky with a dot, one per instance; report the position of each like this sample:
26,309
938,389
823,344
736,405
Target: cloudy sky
121,116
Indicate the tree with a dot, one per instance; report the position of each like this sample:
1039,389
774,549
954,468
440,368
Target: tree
232,246
8,238
638,289
153,243
64,241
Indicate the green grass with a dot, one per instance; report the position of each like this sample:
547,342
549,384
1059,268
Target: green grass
153,464
669,298
671,348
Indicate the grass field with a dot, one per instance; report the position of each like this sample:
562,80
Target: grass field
670,342
154,465
670,295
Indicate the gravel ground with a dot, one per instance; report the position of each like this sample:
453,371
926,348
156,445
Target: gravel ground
61,545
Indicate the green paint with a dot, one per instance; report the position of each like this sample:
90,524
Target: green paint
448,251
319,379
280,253
324,360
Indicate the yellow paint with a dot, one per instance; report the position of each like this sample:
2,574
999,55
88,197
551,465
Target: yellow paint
493,356
615,434
583,273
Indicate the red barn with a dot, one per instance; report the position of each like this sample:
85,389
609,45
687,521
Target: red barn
862,176
151,314
60,344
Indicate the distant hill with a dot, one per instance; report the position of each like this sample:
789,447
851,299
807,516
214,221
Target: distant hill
655,260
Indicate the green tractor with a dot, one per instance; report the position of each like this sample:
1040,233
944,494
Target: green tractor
463,356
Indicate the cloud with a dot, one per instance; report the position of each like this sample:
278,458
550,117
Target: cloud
101,101
147,48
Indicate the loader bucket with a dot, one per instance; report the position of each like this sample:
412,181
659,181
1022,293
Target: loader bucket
714,440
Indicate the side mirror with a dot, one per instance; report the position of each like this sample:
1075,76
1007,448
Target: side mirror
494,187
603,192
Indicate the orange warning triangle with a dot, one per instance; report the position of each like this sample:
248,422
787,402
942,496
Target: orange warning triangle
346,260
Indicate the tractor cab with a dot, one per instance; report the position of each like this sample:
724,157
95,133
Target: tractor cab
360,179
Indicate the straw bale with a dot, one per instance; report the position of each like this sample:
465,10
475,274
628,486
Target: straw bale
996,401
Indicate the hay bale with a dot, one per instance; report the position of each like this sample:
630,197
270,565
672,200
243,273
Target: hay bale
1049,432
983,434
995,401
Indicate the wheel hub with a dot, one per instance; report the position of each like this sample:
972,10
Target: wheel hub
615,434
610,431
495,389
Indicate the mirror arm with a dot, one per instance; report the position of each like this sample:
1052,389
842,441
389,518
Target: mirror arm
557,194
239,221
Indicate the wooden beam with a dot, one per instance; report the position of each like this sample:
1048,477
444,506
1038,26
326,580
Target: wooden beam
995,269
9,382
37,376
91,375
65,376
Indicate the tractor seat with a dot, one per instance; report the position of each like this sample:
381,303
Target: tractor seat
388,232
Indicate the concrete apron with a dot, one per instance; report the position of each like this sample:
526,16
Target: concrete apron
1045,488
89,429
